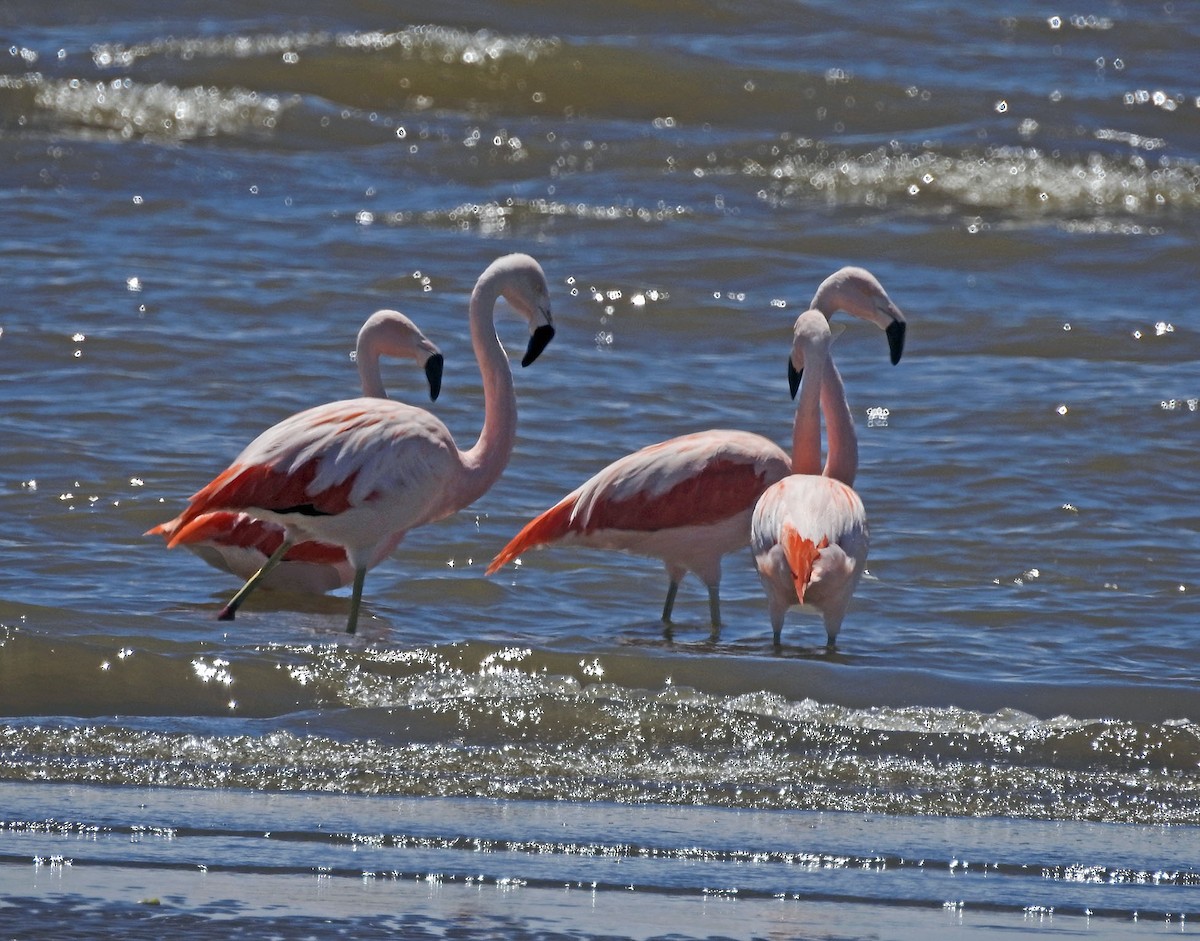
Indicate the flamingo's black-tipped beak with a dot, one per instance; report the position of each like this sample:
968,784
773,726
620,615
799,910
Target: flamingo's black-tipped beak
895,335
538,341
794,376
433,372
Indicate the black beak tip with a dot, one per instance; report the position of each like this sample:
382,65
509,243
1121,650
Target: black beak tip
538,341
433,372
794,377
895,336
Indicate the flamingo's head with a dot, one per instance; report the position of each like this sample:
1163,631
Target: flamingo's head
811,338
523,284
859,293
391,333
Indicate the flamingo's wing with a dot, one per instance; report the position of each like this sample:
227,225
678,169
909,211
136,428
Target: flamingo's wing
692,480
331,459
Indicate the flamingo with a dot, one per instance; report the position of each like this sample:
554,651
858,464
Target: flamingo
361,473
239,543
688,500
809,532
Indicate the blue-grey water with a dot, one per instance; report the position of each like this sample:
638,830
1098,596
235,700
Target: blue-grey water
199,208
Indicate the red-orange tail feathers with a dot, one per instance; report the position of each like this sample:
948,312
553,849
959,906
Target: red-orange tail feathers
801,556
239,531
539,531
208,526
228,528
166,530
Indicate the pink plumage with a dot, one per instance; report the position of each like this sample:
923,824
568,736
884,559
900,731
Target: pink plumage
238,543
686,501
809,532
362,472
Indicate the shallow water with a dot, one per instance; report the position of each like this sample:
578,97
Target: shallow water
199,213
420,867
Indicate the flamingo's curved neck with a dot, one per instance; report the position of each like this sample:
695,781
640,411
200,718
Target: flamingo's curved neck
367,357
806,429
828,299
842,460
487,458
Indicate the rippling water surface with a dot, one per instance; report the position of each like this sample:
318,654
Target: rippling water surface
200,210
